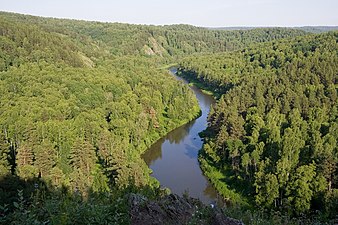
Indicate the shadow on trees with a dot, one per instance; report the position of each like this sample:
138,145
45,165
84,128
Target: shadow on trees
34,201
235,182
9,186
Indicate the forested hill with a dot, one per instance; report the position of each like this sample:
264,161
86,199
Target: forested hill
318,29
74,120
310,29
81,101
272,136
97,39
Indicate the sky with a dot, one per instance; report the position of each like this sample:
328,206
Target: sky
206,13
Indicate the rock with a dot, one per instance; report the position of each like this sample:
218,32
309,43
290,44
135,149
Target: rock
221,219
136,199
173,209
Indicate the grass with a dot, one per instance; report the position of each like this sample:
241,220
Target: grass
220,181
168,66
204,87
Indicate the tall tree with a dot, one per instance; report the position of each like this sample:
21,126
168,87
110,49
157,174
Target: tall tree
25,161
45,158
5,167
83,160
300,189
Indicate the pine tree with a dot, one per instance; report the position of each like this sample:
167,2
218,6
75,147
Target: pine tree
300,190
25,162
83,160
45,158
5,167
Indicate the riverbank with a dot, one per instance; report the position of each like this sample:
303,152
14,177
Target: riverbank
203,86
216,177
171,125
174,158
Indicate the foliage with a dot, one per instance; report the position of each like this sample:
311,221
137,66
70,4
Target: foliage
36,204
275,123
83,43
81,101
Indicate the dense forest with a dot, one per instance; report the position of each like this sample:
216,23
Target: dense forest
98,40
310,29
272,135
81,101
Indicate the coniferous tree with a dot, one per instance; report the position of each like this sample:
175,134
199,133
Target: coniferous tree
83,160
25,161
5,167
45,158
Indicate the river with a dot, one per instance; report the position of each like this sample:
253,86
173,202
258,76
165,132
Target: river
174,158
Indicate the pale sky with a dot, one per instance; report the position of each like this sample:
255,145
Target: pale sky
207,13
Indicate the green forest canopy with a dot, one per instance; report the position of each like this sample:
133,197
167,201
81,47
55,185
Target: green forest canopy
274,128
69,84
80,101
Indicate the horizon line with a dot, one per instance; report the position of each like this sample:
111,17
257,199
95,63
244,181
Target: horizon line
169,24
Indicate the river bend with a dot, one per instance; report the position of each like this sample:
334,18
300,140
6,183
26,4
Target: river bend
174,158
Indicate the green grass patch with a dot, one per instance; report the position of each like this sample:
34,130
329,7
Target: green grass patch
218,178
168,66
203,86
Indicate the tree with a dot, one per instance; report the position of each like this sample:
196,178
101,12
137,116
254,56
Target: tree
267,186
289,154
83,161
300,189
246,161
57,176
5,167
24,162
45,158
257,153
234,147
283,95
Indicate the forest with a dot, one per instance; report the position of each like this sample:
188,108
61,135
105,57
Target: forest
81,101
273,135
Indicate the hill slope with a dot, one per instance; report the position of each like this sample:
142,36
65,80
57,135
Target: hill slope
273,133
80,101
173,40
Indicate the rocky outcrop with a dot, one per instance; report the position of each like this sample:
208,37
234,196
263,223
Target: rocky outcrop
153,47
147,50
173,209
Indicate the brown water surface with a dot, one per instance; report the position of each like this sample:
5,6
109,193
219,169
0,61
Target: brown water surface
173,158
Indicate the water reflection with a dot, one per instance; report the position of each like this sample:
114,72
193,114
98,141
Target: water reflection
153,153
173,159
176,136
191,151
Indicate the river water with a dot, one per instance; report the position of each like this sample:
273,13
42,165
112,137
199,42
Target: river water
173,158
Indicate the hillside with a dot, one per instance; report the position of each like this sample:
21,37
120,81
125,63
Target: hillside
310,29
125,39
81,101
75,118
319,29
272,136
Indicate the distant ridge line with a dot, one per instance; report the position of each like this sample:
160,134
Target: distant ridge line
311,29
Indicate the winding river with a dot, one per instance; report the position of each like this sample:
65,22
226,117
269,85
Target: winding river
173,158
